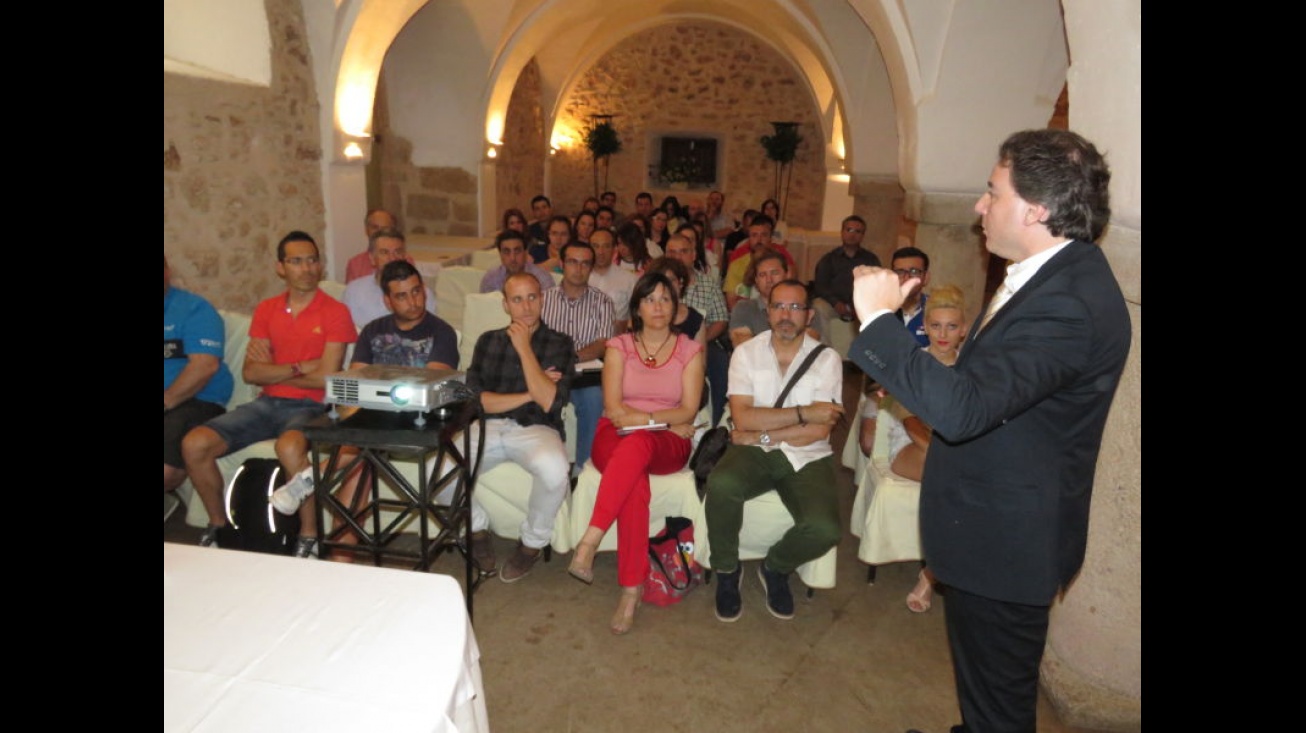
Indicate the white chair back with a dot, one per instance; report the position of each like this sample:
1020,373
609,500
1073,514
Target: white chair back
451,288
486,259
481,312
886,510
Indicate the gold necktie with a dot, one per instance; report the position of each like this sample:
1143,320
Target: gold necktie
1000,299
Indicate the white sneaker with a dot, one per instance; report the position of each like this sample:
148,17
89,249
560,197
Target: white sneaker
288,498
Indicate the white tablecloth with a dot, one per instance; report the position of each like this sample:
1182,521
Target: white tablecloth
256,642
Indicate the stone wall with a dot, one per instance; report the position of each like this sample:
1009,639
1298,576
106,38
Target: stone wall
241,169
519,173
698,77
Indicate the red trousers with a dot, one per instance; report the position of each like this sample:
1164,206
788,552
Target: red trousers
626,462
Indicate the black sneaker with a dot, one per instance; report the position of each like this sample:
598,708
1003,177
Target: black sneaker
307,547
210,537
729,606
779,601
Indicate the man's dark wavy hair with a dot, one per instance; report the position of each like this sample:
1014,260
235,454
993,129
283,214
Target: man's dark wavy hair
1064,172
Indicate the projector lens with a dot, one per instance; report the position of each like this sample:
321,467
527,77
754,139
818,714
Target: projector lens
400,394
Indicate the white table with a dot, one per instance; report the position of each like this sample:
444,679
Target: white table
256,642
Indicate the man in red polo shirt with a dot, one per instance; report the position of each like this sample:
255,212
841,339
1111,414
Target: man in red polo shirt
295,340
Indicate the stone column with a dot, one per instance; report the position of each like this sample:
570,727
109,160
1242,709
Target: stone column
879,201
947,231
1092,667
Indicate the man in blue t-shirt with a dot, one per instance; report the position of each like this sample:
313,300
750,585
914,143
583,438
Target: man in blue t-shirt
196,382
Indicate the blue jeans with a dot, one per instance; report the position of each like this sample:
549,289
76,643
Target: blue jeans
588,402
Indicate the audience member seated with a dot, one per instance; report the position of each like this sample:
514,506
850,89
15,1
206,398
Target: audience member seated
779,230
196,382
512,253
676,215
735,237
784,448
688,320
584,226
704,295
295,340
834,271
522,374
514,219
909,263
548,255
759,236
364,296
909,437
652,379
644,205
410,336
720,224
585,314
632,248
537,232
616,282
751,316
360,265
658,232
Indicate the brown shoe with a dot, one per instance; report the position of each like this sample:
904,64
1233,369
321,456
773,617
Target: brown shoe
483,552
520,564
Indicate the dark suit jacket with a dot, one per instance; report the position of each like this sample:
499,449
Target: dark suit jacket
1018,424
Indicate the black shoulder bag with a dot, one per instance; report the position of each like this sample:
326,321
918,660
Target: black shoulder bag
714,442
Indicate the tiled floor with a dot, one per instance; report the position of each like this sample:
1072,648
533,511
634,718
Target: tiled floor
853,658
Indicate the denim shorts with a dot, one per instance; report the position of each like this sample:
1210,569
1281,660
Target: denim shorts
262,419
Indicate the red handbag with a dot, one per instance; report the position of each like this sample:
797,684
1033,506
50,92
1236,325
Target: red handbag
672,570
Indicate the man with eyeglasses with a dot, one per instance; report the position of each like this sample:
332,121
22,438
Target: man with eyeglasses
911,263
834,271
785,448
586,314
296,338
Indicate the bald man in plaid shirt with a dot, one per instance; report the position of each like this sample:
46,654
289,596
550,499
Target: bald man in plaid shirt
522,374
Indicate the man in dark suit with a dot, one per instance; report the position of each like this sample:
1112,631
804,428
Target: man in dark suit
1017,422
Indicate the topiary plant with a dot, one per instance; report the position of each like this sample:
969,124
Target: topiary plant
603,142
781,148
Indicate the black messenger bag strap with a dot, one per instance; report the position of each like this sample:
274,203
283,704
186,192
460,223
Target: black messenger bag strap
802,369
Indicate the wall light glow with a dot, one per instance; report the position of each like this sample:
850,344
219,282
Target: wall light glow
354,109
494,128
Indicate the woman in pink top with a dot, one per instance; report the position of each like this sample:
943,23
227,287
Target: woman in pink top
652,375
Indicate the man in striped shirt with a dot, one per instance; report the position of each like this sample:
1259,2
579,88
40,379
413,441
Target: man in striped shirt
584,313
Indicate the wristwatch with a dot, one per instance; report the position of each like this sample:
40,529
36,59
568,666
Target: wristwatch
764,438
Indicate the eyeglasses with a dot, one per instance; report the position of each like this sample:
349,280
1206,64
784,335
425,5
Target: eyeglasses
298,261
578,263
791,307
910,272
